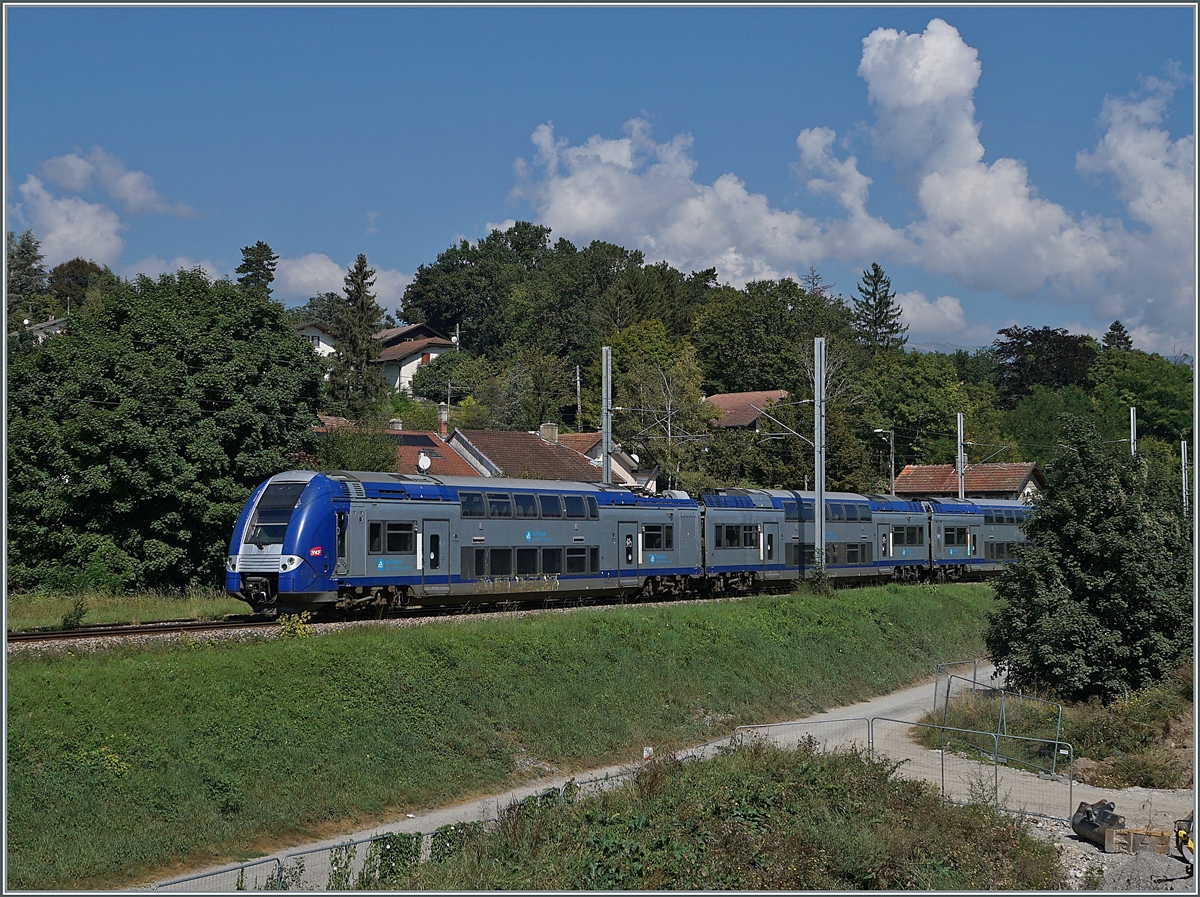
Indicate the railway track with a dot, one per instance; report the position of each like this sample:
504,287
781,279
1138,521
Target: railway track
122,630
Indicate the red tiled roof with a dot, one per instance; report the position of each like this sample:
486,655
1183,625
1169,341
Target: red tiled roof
735,407
444,460
580,442
409,348
940,479
519,454
328,421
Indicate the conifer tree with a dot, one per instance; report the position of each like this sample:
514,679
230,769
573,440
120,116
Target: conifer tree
26,289
257,268
877,314
1117,337
355,384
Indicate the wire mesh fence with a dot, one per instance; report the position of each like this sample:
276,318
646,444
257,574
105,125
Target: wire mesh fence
963,669
259,875
980,767
827,733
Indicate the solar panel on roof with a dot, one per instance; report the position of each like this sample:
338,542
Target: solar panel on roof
419,439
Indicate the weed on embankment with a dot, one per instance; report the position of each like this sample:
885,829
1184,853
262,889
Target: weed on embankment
754,818
127,761
50,610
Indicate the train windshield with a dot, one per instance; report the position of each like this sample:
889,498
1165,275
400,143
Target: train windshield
273,513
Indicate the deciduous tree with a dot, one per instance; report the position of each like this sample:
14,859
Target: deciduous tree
1100,599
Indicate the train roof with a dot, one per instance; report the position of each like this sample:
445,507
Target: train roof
370,484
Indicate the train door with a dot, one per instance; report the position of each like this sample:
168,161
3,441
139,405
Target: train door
883,543
769,549
434,548
628,549
973,548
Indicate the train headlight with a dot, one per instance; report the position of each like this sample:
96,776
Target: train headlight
231,563
289,562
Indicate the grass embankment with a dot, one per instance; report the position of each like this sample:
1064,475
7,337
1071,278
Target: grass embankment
1140,740
46,610
132,761
757,818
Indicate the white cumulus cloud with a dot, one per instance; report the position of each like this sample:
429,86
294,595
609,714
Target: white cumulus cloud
299,279
943,318
134,190
70,227
152,266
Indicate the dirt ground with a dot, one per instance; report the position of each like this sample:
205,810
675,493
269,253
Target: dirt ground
1090,868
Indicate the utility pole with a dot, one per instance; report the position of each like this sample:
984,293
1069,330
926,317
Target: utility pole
606,412
962,459
819,445
892,447
1183,449
1132,431
578,399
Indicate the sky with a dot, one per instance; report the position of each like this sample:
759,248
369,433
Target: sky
1005,165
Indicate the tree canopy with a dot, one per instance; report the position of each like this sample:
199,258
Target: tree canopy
877,314
356,384
1100,600
135,437
257,269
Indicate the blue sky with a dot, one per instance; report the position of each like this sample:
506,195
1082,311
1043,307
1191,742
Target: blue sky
1005,165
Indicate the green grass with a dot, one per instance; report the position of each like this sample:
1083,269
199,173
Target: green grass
755,818
1125,733
40,610
122,761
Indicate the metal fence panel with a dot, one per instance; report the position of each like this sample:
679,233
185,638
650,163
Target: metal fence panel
965,669
978,767
261,875
827,733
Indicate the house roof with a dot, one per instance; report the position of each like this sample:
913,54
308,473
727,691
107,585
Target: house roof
409,348
527,455
394,335
444,460
316,325
940,479
329,421
737,408
580,442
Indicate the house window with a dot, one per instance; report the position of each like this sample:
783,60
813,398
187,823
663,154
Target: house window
425,358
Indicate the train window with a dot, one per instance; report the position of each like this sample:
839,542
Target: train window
852,553
851,512
733,536
593,508
472,504
806,511
864,512
790,511
435,551
594,559
652,537
499,505
551,506
810,554
552,560
834,512
832,553
527,561
340,518
770,546
1020,516
750,536
956,535
668,538
273,513
987,517
401,538
577,560
575,507
718,537
500,562
1010,516
473,562
908,535
525,504
375,537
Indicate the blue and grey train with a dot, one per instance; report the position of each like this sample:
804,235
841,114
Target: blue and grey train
308,541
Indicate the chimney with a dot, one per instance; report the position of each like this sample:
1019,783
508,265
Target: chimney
395,424
549,432
443,419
